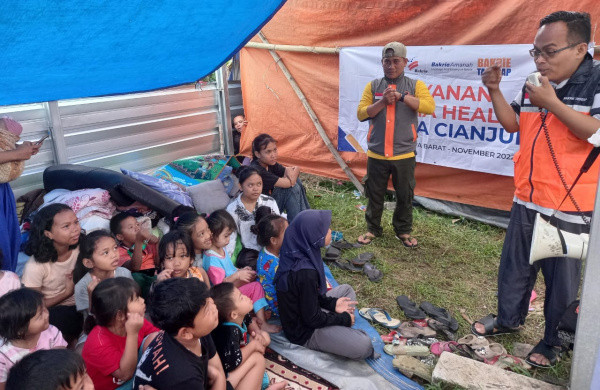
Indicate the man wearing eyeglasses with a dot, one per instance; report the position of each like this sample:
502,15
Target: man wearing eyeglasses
391,105
554,119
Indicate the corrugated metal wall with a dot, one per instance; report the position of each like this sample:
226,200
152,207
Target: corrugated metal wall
139,131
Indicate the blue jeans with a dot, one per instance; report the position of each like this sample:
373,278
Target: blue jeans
291,200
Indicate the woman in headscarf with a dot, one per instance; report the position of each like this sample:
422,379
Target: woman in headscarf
310,315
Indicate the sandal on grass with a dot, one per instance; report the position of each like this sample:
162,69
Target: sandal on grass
390,337
508,361
491,326
552,353
442,346
408,241
440,314
490,351
372,272
380,317
411,329
439,327
365,239
332,254
474,341
409,350
362,258
346,266
409,364
409,308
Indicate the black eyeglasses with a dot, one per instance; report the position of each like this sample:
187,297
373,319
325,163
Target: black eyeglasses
535,53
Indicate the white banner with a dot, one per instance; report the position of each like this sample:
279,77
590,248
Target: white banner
463,132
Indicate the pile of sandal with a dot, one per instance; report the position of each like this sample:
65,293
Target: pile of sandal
480,349
437,318
361,263
416,348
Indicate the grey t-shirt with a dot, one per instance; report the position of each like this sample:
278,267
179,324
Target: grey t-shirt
82,300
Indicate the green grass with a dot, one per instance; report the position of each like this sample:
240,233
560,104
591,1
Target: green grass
455,266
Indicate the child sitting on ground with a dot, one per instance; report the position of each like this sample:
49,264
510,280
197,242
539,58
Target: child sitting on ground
8,280
176,253
219,267
54,369
137,249
98,260
183,355
269,230
310,315
24,328
241,358
118,329
195,226
54,246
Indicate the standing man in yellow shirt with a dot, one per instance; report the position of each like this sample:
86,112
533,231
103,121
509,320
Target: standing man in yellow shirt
391,104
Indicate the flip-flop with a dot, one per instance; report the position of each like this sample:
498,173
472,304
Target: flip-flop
490,351
491,327
409,364
409,350
332,254
390,337
439,314
442,346
346,266
365,239
380,317
508,361
474,341
410,308
372,273
439,327
410,329
407,241
362,258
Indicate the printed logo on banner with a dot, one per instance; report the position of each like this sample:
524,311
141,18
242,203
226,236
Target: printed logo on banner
503,62
463,132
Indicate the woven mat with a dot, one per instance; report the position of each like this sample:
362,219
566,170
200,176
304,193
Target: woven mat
298,378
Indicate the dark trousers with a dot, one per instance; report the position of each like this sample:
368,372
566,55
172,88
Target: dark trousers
516,278
403,180
292,200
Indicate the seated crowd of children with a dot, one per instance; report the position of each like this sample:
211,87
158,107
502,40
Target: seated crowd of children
207,322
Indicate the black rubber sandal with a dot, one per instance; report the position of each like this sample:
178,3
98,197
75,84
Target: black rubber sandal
553,354
491,326
410,308
440,314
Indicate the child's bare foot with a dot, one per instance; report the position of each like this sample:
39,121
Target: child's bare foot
269,328
277,386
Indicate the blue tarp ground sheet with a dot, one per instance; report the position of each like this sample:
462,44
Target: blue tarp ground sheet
347,374
61,49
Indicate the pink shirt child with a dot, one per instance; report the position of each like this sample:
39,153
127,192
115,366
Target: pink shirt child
9,281
10,354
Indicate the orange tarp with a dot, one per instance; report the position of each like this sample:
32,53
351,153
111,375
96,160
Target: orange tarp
271,106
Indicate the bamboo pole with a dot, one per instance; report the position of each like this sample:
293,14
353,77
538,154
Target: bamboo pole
313,117
294,48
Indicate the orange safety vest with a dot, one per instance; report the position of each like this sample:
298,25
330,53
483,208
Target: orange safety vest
536,178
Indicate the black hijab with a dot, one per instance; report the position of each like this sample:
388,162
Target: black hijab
301,248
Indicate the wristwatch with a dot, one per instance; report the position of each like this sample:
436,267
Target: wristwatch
402,96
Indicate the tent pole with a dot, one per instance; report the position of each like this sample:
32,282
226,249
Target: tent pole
295,48
585,372
313,117
224,111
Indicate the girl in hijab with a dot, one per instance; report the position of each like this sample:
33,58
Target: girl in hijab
310,315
